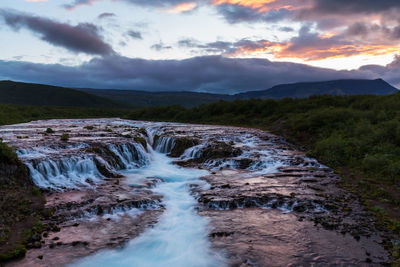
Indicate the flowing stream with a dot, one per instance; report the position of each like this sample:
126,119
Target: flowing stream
180,237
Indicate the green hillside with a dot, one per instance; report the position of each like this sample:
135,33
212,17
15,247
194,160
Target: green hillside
335,87
146,99
46,95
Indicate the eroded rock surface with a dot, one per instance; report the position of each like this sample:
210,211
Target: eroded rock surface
268,204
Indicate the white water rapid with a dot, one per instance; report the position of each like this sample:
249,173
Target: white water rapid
179,238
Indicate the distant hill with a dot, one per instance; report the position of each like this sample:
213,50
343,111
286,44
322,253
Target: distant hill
46,95
336,87
145,99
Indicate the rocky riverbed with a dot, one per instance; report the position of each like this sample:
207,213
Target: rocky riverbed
114,187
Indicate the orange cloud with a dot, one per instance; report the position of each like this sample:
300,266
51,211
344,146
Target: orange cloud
181,8
282,51
265,5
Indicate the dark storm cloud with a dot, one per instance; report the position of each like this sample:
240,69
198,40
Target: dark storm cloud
354,6
207,74
378,32
83,37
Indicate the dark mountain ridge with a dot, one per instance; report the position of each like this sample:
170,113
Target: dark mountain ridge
334,87
46,95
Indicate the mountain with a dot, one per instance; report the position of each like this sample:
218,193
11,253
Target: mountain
145,99
336,87
46,95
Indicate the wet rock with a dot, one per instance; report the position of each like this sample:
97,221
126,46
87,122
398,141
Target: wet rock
37,244
217,150
221,234
181,144
244,163
76,243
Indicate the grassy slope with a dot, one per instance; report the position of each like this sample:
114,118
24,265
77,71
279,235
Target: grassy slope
146,99
358,136
20,206
45,95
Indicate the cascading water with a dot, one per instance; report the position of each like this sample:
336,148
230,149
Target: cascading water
180,237
130,155
77,171
64,173
165,144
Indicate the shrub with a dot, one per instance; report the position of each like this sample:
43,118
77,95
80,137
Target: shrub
7,154
65,137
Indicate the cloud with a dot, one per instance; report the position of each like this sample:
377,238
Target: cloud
83,37
159,3
160,46
106,15
238,13
308,45
185,7
35,1
354,6
215,74
78,3
134,34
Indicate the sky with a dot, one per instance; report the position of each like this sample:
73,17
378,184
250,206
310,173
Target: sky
218,46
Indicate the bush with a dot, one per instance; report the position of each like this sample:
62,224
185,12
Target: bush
65,137
7,154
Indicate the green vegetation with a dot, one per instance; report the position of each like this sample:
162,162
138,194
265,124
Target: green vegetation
21,204
90,127
65,137
141,141
40,95
49,131
358,136
11,114
7,155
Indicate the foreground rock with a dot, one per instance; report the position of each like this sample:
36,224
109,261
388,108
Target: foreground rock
268,204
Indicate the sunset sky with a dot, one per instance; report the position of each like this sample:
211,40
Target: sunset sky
220,46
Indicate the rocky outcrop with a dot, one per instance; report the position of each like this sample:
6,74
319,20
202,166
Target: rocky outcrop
181,144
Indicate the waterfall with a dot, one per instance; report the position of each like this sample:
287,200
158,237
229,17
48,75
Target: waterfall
130,155
78,171
164,144
63,173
